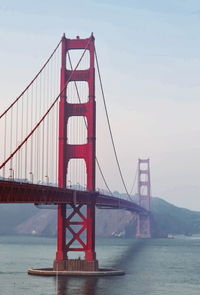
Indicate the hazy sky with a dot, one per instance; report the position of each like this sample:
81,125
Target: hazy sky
149,52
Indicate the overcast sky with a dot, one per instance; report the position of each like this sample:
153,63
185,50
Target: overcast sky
149,53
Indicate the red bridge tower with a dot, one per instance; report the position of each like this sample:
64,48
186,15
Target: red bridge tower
69,239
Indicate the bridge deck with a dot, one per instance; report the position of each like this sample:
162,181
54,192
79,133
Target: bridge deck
22,192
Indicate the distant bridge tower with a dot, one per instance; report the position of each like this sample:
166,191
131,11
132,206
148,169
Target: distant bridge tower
143,222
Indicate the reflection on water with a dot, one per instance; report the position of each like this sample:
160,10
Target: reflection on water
88,285
131,252
75,286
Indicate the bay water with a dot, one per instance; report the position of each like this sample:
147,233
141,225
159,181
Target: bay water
153,267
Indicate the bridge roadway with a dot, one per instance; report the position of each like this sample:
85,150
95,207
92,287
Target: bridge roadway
24,192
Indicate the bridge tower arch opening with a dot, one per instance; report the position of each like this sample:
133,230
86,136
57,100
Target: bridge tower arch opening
143,221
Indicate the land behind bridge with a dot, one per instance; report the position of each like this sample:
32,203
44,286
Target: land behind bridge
167,219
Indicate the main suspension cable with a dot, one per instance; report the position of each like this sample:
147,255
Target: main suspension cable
47,112
109,126
134,181
32,81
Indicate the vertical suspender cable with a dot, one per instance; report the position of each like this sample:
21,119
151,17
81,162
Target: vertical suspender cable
5,132
22,126
43,125
11,135
56,127
27,115
16,137
47,149
31,145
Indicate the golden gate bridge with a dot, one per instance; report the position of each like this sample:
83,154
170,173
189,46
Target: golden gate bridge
49,145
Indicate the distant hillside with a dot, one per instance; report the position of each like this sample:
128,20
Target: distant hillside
13,214
167,218
26,219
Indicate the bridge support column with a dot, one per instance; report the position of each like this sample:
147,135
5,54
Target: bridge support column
143,222
76,222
